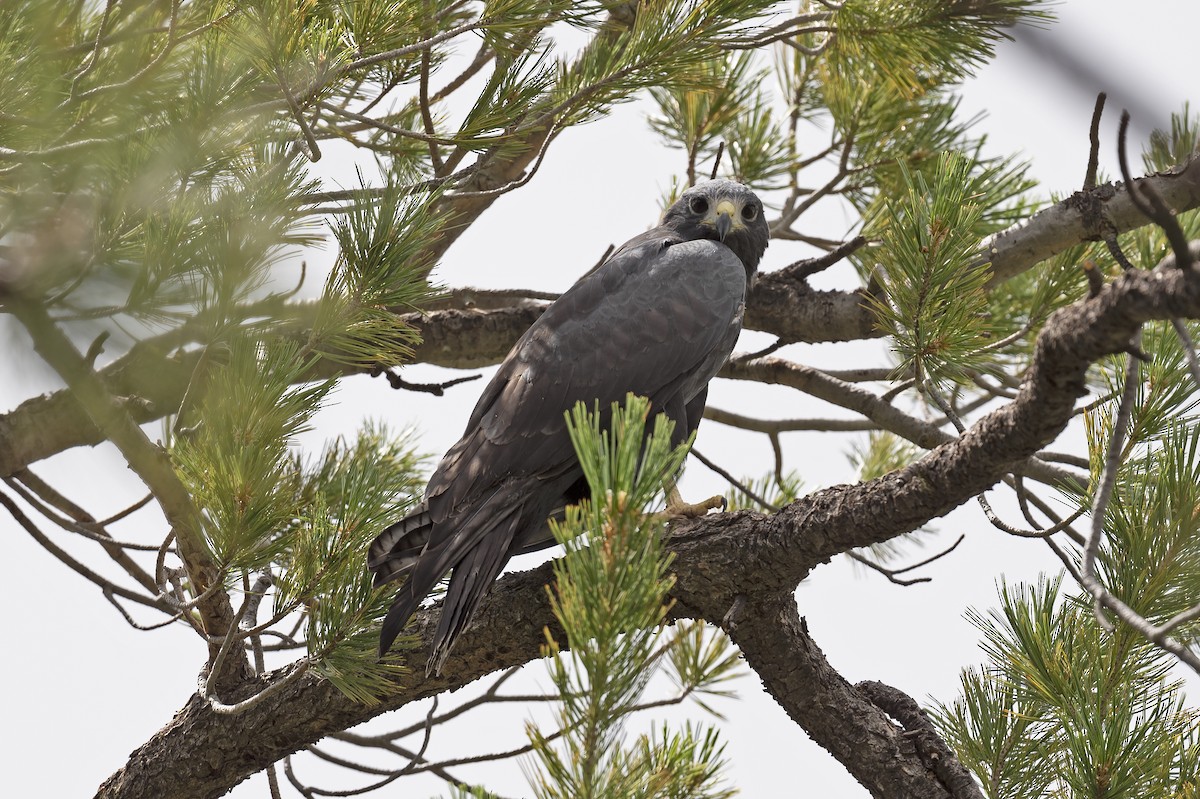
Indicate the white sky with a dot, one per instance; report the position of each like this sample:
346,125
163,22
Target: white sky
83,688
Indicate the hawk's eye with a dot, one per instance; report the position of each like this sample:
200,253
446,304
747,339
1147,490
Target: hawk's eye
699,205
749,211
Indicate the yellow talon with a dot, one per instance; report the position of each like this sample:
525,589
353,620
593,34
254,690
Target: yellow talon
678,509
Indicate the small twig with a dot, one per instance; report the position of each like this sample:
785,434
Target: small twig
893,575
112,600
400,52
430,137
1108,480
418,764
1018,486
1166,220
273,781
96,348
1089,180
865,374
148,460
84,527
1095,280
1065,457
300,787
717,159
435,157
172,42
492,695
1148,201
310,141
514,184
928,387
1137,352
89,63
371,194
808,267
991,389
777,452
733,481
770,349
769,426
886,572
1094,404
299,669
160,578
779,371
1114,249
603,260
981,498
1025,498
896,390
119,515
789,218
787,34
482,56
1000,524
254,597
105,585
931,558
1151,204
1011,338
436,389
786,28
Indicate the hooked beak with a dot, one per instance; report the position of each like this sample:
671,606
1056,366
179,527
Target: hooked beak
724,224
724,221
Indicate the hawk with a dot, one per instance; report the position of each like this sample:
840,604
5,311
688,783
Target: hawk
658,319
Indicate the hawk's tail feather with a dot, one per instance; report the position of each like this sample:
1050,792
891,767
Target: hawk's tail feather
395,551
470,582
492,525
397,616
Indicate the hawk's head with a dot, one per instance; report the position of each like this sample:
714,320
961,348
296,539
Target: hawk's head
724,211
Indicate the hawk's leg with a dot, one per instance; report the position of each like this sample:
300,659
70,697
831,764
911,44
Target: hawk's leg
687,419
678,509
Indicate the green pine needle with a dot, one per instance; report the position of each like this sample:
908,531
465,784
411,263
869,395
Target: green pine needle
610,596
933,301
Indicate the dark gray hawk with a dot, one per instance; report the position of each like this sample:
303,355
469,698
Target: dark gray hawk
658,319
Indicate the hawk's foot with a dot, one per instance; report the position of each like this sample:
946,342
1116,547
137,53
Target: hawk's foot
678,509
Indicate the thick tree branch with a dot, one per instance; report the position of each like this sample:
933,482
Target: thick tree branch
1090,215
776,644
930,746
722,562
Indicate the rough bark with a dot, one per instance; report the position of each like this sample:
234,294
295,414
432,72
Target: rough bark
1090,215
776,644
723,562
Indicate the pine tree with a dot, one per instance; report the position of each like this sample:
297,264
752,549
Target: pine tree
161,187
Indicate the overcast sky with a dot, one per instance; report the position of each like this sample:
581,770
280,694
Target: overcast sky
82,688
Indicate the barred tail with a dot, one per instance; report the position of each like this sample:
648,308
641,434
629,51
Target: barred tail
476,550
395,551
